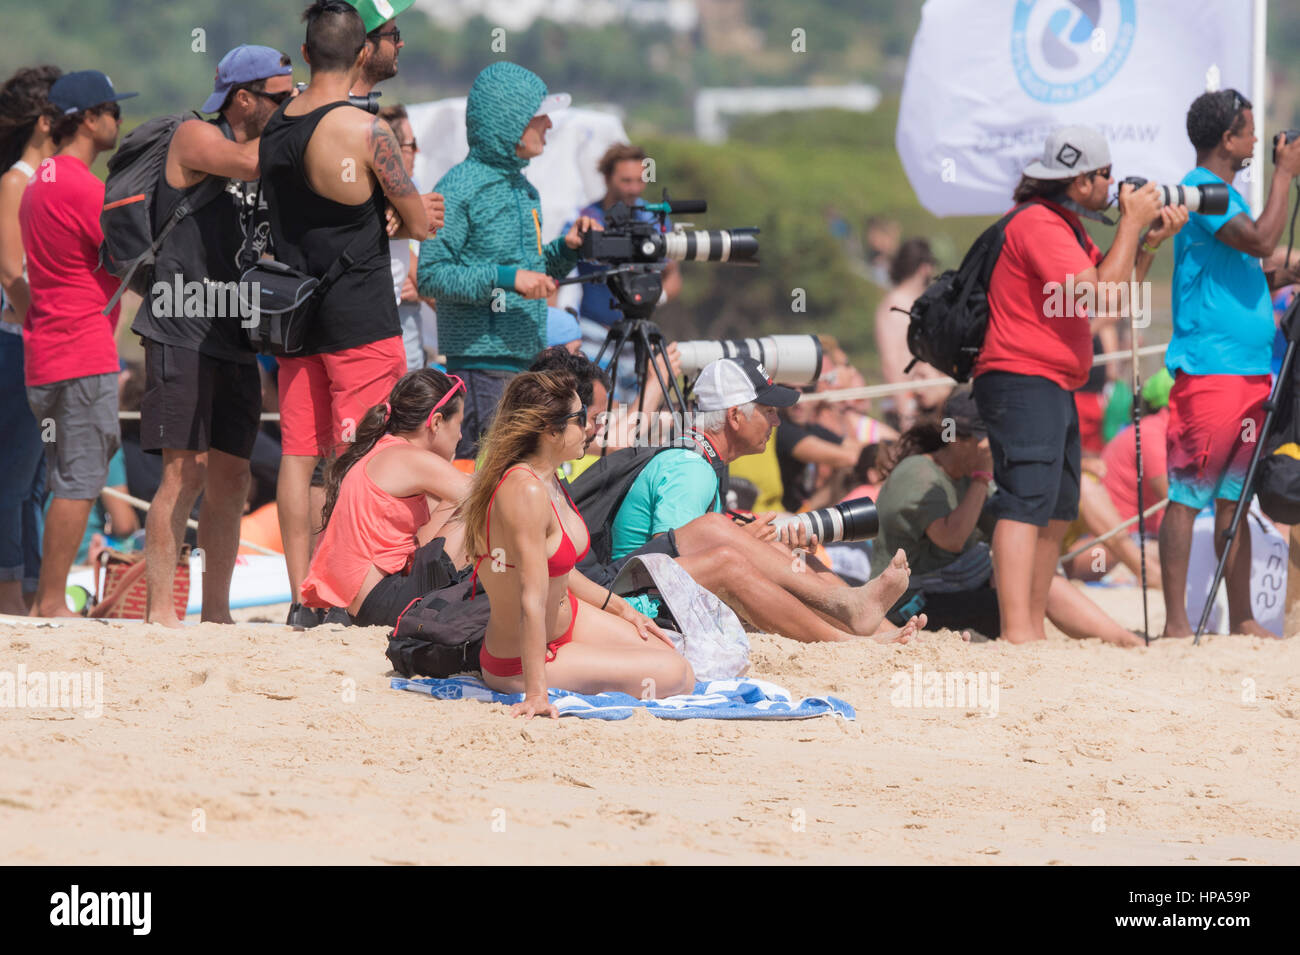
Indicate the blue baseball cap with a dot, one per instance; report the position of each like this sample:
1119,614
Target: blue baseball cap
73,92
243,64
561,326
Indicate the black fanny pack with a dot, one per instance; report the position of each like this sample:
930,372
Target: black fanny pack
280,302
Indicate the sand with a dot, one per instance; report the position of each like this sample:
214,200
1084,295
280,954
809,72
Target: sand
258,744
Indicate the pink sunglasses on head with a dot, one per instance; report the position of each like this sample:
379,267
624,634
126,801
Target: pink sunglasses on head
459,384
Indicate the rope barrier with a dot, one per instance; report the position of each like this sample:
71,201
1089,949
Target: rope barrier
189,522
878,391
1112,532
841,394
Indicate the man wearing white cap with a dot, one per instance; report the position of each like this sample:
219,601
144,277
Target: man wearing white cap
488,267
1037,353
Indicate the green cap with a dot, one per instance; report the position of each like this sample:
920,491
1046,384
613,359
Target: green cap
375,13
1155,390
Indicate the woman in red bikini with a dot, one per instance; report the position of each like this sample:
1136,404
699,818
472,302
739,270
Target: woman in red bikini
547,627
389,533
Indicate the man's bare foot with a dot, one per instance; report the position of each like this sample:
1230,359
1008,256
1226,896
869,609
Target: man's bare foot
904,633
1250,627
164,619
1177,632
51,610
1026,636
864,607
218,618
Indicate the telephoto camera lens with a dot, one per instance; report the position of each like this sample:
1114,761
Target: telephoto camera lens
854,520
1210,199
790,359
711,245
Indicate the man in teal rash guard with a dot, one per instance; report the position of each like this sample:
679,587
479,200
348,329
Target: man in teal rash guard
487,267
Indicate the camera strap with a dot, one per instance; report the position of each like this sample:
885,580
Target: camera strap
706,449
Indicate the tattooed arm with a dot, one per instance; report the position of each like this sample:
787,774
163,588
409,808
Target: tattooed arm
385,158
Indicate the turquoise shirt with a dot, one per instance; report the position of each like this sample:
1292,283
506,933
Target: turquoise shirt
675,488
1223,316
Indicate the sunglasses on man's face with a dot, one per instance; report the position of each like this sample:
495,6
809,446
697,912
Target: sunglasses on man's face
276,98
1103,173
395,33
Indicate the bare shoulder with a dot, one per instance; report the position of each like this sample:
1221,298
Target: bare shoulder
523,499
12,183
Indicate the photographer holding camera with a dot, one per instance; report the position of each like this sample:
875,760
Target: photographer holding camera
487,266
1034,358
1221,351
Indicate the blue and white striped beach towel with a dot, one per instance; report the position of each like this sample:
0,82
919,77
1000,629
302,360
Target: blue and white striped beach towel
716,700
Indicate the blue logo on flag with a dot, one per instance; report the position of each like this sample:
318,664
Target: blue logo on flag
1066,50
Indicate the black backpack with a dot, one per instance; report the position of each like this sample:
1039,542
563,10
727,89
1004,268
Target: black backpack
599,491
134,172
441,633
950,318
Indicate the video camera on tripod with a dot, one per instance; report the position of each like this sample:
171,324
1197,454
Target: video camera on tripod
634,250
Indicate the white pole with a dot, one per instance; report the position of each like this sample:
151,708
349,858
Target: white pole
1259,80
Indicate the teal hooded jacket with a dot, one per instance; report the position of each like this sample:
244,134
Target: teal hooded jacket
493,227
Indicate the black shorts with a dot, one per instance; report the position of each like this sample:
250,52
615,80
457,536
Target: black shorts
964,610
1034,435
604,574
194,402
431,569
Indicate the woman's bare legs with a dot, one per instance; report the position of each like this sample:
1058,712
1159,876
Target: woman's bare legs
606,654
1070,609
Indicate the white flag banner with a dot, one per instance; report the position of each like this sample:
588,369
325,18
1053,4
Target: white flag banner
987,80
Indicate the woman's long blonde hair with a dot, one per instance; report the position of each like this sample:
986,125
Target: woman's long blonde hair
535,402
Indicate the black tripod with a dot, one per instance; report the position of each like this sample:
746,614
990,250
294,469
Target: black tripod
636,290
1280,387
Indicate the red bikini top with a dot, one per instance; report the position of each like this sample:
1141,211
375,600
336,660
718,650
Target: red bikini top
566,556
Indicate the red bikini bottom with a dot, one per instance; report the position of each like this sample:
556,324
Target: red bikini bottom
514,666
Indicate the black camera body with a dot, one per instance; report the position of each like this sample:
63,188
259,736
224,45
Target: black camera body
1291,136
369,102
629,239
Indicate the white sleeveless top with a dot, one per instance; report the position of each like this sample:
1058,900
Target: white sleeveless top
13,328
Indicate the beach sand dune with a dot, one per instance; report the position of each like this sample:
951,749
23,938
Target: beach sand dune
258,744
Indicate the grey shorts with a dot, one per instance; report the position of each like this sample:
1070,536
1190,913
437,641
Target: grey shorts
78,422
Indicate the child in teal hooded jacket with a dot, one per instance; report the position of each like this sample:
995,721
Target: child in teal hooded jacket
492,230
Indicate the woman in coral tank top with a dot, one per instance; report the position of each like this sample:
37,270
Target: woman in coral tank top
389,535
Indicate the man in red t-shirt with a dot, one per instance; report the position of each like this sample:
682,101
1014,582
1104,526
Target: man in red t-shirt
1038,350
71,358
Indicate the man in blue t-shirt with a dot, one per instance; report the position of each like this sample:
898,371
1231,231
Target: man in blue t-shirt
622,167
1221,351
736,410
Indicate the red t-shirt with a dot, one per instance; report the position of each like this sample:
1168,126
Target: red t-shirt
65,335
1120,458
1033,328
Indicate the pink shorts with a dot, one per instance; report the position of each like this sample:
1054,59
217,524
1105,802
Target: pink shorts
1213,423
323,397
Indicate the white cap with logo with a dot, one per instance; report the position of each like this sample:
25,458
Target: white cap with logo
730,382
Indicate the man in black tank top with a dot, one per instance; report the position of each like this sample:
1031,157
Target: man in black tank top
203,395
330,171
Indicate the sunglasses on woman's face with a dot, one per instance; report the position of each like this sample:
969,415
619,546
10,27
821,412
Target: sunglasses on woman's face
580,414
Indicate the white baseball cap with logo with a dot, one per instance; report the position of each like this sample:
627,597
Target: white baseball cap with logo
1071,151
731,382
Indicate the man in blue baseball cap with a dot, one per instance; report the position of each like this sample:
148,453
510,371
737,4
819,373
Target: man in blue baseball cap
203,396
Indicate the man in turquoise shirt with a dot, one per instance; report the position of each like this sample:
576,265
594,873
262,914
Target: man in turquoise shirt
1221,351
736,412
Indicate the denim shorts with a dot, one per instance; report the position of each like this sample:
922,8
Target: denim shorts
1033,429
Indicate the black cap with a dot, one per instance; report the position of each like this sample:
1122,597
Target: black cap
965,415
765,391
74,92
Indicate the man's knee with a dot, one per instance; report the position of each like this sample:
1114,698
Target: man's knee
707,531
185,472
